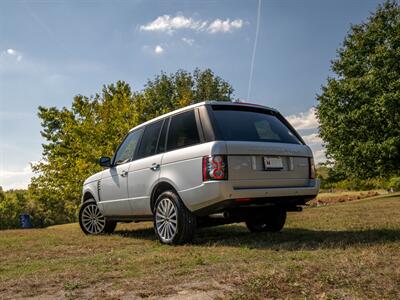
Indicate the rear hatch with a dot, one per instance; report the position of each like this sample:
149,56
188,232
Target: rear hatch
263,148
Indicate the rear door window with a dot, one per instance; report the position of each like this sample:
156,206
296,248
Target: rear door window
149,140
183,131
242,124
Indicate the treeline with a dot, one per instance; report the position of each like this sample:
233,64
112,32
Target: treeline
12,204
333,179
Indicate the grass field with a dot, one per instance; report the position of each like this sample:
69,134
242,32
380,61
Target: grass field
346,250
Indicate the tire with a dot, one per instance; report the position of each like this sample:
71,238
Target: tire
272,221
174,224
92,221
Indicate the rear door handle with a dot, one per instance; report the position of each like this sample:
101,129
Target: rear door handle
124,173
155,167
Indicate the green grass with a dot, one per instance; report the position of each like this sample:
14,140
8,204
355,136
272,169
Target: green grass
344,250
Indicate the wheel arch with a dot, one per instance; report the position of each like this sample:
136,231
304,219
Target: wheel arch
158,189
87,196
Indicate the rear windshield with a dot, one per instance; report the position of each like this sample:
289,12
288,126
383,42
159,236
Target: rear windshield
249,124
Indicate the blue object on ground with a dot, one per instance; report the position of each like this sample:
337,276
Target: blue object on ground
25,221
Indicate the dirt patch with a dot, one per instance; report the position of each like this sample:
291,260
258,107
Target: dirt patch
205,290
199,291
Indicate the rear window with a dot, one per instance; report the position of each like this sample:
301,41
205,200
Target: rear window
242,124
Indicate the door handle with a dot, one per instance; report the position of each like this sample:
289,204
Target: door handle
124,173
155,167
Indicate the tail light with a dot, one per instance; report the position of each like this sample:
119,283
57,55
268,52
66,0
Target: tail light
312,167
215,167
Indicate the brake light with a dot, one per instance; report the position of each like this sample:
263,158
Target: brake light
312,167
215,167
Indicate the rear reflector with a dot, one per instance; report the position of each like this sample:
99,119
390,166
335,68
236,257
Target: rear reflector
243,199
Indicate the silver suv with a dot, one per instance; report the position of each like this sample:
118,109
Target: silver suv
211,163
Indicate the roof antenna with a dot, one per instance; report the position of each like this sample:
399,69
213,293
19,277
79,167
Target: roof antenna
254,51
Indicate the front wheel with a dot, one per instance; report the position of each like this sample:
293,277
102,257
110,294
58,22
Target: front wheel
173,222
92,220
273,220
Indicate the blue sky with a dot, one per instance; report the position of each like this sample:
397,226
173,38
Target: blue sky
53,50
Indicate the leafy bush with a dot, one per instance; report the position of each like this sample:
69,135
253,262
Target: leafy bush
394,184
355,184
12,204
332,177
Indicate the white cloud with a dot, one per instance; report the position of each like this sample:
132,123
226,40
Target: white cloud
304,120
319,155
16,179
224,26
169,24
158,49
315,143
308,122
190,42
313,138
12,53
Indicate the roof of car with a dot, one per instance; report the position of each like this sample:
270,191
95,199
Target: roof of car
210,102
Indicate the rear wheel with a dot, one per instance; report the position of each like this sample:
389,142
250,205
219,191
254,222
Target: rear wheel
173,222
273,220
92,220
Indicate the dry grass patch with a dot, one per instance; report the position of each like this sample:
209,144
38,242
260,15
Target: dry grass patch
326,198
344,250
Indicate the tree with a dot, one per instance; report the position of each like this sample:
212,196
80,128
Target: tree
94,126
359,108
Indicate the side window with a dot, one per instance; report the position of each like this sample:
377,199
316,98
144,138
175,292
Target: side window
127,149
183,131
149,140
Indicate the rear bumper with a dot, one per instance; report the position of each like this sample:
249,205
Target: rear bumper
216,194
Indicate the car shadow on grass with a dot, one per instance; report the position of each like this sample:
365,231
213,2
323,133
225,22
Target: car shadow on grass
288,239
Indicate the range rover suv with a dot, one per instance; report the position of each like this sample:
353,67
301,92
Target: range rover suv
207,164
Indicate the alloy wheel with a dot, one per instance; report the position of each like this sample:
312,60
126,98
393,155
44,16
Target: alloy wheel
92,219
166,220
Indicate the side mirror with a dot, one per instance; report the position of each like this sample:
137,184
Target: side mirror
105,161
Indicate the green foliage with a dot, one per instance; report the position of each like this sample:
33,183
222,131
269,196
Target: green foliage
359,108
394,184
329,175
2,194
355,184
332,178
94,126
12,204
